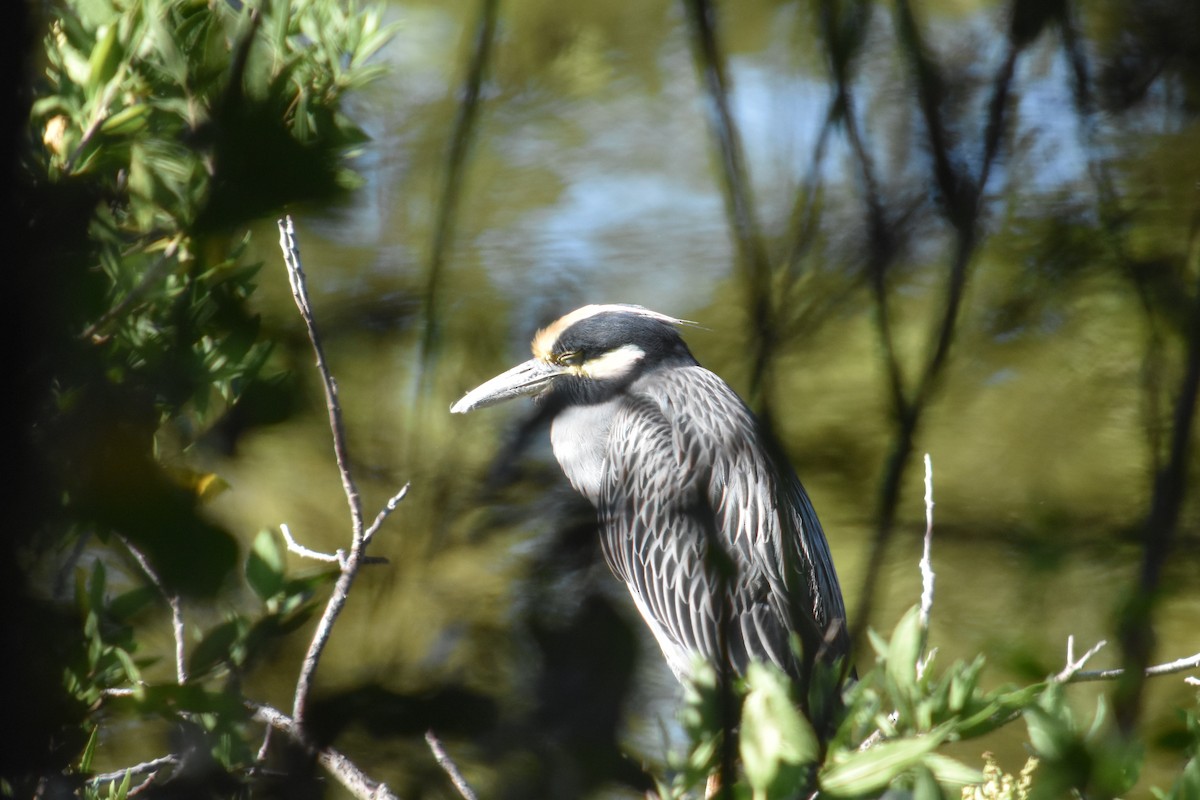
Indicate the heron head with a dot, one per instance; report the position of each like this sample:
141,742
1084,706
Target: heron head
589,353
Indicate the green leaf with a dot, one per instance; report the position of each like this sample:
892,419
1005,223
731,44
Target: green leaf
1048,734
903,652
132,673
867,771
774,732
265,565
96,585
127,605
962,684
215,647
194,699
122,791
105,58
1187,785
952,772
89,751
925,786
127,121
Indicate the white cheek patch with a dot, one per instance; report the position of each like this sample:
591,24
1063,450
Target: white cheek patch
613,364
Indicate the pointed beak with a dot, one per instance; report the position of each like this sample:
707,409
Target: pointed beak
524,379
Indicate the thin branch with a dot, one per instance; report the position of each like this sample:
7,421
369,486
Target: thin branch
1156,671
343,769
391,505
293,546
299,284
448,766
337,601
339,557
154,765
356,557
1073,665
175,604
927,574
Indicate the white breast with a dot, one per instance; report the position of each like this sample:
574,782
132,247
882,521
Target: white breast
579,436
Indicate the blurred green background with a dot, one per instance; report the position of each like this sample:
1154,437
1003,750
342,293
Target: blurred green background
588,171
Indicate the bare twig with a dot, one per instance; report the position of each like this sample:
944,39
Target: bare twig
927,569
154,765
391,505
1073,665
448,766
293,546
343,769
349,567
1156,671
299,284
349,561
339,557
175,604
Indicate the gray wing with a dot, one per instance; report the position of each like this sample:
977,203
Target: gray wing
688,472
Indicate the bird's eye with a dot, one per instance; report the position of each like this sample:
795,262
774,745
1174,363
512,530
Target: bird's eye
570,359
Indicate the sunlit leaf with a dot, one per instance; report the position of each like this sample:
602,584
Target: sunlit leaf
871,770
925,785
132,674
773,732
903,651
952,772
265,566
105,58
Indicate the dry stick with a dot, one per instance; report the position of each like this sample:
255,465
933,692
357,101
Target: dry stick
339,557
927,581
349,568
154,765
1074,665
181,675
293,546
927,575
447,764
347,774
341,768
1158,670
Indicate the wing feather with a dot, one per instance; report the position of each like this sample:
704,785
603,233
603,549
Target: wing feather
686,470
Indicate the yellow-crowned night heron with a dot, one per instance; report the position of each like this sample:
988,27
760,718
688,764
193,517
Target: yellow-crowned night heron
712,533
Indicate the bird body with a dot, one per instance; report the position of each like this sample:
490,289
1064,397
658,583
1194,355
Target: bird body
713,535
